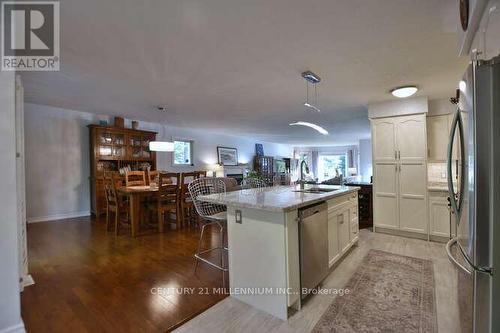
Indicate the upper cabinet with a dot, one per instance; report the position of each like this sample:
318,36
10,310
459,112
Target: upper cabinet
384,133
438,136
112,143
411,138
438,129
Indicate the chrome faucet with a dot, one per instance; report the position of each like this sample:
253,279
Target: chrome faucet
302,180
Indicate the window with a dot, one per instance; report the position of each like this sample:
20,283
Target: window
329,165
183,152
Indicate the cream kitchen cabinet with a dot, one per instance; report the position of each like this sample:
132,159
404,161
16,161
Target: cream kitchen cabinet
400,173
438,129
438,136
343,227
439,214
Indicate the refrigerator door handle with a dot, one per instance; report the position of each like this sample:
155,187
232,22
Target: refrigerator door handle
456,205
452,259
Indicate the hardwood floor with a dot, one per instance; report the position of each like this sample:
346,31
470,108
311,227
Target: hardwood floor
231,315
88,280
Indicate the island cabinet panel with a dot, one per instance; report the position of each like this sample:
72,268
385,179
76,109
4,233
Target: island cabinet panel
343,225
258,259
354,223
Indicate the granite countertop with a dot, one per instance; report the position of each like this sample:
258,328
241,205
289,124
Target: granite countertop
277,198
438,186
359,183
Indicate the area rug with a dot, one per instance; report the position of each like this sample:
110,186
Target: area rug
387,293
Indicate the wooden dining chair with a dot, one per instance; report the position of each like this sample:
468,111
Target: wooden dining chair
115,203
135,178
167,199
152,174
202,173
186,203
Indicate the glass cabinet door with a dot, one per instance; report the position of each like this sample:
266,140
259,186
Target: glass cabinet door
111,145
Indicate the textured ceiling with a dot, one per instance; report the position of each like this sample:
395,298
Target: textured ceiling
234,66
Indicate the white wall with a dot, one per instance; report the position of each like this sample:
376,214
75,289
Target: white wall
365,159
10,311
205,146
58,166
441,107
57,162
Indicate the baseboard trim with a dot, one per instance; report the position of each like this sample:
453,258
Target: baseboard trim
402,233
439,239
58,217
18,328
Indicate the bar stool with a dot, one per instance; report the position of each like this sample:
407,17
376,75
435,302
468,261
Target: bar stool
210,214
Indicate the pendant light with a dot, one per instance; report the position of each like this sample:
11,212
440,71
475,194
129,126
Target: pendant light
314,79
161,146
318,128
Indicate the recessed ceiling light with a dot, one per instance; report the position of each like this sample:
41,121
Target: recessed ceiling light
403,92
311,125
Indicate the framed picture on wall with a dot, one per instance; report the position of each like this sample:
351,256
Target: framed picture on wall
227,156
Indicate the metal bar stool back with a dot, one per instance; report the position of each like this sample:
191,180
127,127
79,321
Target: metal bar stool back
211,214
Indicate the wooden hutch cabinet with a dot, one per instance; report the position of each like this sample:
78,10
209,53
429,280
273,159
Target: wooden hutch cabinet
265,166
112,148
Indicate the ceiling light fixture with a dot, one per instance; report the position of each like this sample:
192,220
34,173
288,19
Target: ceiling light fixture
312,107
314,79
311,125
403,92
161,146
311,77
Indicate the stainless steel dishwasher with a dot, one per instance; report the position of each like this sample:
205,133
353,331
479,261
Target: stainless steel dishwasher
313,240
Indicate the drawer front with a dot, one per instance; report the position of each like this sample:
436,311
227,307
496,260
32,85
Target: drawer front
338,202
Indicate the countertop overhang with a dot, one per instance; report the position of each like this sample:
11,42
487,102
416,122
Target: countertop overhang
439,186
277,198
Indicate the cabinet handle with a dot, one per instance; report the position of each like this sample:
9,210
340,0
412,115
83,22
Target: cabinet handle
399,154
395,154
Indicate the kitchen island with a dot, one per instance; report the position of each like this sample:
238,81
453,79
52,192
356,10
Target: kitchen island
263,239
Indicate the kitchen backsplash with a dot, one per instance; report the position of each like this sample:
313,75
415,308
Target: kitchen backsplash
437,172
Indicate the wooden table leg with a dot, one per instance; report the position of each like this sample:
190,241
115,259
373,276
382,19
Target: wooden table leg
134,213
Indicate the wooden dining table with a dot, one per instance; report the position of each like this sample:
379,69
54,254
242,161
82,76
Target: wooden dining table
135,194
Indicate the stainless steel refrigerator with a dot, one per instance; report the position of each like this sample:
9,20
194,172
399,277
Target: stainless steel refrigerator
474,189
